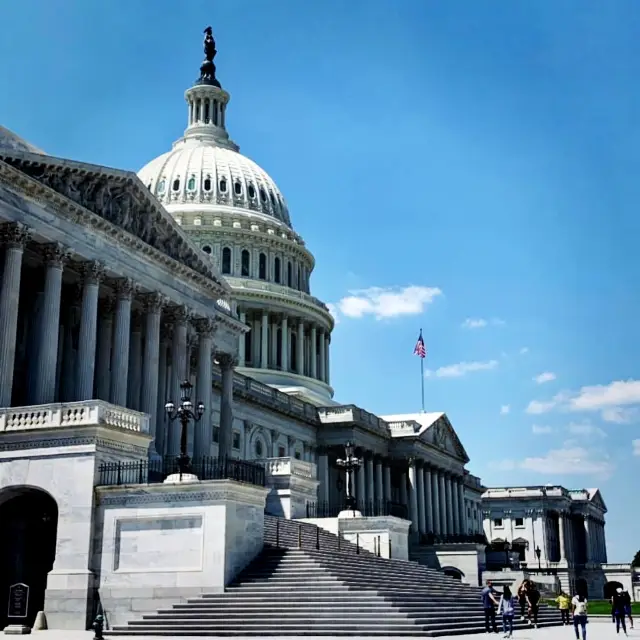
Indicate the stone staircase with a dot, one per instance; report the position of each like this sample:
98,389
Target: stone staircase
291,591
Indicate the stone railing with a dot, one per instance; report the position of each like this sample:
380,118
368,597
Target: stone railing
351,413
404,426
72,414
288,467
287,292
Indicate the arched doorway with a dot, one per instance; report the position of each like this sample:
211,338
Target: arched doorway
582,588
610,589
453,572
28,526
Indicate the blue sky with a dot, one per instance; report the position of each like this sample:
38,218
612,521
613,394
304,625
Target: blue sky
465,167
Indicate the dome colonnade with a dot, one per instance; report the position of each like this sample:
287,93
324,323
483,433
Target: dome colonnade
236,214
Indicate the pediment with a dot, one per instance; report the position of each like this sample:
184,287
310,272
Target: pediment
443,436
119,198
596,498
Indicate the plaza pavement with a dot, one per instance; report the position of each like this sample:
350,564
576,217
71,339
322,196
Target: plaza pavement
597,629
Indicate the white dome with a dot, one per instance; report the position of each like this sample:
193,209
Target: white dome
201,172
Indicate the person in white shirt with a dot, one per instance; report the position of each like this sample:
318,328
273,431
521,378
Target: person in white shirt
579,607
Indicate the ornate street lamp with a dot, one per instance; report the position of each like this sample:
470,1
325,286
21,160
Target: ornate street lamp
350,464
184,413
538,553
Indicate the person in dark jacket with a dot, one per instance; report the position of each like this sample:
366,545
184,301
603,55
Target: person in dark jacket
522,598
626,599
618,602
533,600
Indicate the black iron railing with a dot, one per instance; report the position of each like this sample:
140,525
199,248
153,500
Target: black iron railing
155,471
367,508
432,538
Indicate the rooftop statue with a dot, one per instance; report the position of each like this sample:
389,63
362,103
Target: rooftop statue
208,68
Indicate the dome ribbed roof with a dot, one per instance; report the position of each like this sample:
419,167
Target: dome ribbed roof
202,172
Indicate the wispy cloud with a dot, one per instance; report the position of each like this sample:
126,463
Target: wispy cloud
547,376
524,350
481,323
504,409
537,407
461,369
586,429
636,447
539,430
383,303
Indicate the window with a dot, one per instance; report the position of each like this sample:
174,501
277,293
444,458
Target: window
276,268
273,200
519,522
236,440
263,195
216,434
161,186
297,455
252,191
497,522
207,184
237,187
226,260
176,184
281,452
222,185
245,263
207,249
259,449
262,267
191,185
289,275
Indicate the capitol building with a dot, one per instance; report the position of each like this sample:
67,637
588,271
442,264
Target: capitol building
115,289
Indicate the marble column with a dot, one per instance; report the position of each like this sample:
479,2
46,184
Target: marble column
587,539
92,274
422,525
105,335
66,358
413,497
387,482
435,497
152,304
403,490
300,349
284,344
163,366
135,362
444,523
449,505
242,356
15,237
225,441
563,550
327,375
121,338
428,500
379,492
454,506
264,341
56,257
203,436
361,492
323,477
179,362
464,527
370,480
321,375
273,362
255,342
314,352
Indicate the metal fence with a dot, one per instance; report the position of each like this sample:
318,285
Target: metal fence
156,471
368,508
432,538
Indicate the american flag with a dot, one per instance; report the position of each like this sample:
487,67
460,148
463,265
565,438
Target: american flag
420,349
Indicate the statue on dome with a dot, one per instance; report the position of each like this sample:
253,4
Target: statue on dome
208,68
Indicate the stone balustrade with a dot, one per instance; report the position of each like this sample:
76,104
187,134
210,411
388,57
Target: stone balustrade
288,292
289,466
351,413
71,414
404,426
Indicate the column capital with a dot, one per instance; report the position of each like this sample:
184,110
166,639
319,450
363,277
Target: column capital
55,254
411,462
92,272
226,360
153,302
205,327
15,235
179,314
125,288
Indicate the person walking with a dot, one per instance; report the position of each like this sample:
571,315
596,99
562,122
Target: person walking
564,603
626,600
618,602
522,598
489,603
579,608
507,608
533,600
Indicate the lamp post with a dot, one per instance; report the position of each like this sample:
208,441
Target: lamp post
507,548
538,553
350,464
184,413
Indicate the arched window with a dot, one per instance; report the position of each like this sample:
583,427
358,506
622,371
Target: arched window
191,185
226,260
245,263
207,184
262,267
161,186
276,268
223,185
237,187
289,275
273,200
176,184
263,195
252,191
207,249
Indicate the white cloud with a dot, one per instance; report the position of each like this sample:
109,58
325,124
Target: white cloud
567,461
334,312
536,407
524,350
586,430
539,430
461,369
386,303
504,409
620,415
481,323
547,376
636,447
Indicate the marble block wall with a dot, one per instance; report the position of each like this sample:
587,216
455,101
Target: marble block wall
386,531
467,558
156,545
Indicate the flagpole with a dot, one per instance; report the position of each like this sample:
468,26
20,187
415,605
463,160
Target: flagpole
422,377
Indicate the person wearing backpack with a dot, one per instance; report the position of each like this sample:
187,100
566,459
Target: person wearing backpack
507,608
579,607
626,601
618,602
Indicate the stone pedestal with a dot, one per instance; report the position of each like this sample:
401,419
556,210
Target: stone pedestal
386,536
16,630
292,485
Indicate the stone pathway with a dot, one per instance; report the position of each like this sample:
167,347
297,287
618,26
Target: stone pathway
596,630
